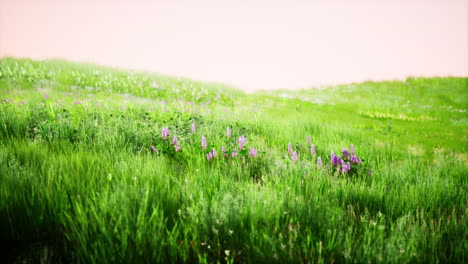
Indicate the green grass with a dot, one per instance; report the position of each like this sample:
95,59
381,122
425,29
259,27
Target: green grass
79,181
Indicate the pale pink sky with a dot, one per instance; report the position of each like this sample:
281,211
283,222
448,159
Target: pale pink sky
251,44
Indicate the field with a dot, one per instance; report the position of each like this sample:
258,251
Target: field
89,173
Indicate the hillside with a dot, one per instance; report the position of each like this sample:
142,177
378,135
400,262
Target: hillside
90,170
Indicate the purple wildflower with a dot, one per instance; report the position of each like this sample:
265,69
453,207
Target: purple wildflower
253,153
319,162
165,132
223,150
351,149
312,149
203,142
215,154
345,168
345,153
294,156
154,149
228,132
178,147
174,140
308,140
193,128
209,156
242,141
290,150
335,159
234,153
354,159
46,96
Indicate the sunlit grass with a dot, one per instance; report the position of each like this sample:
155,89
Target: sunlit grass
80,179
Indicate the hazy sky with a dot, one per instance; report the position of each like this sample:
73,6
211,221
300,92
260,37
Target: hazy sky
251,44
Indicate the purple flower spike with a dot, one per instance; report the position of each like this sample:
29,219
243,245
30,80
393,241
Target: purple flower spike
345,168
209,156
290,150
174,140
351,149
319,162
234,153
223,150
253,153
178,147
308,140
203,142
354,159
154,149
336,161
215,154
165,132
312,149
345,153
193,128
228,132
294,156
242,141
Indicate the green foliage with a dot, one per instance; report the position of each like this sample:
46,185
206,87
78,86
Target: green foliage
81,183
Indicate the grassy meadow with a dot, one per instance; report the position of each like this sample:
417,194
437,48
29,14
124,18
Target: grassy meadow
88,173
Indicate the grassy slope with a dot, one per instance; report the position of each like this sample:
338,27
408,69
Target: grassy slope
78,175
